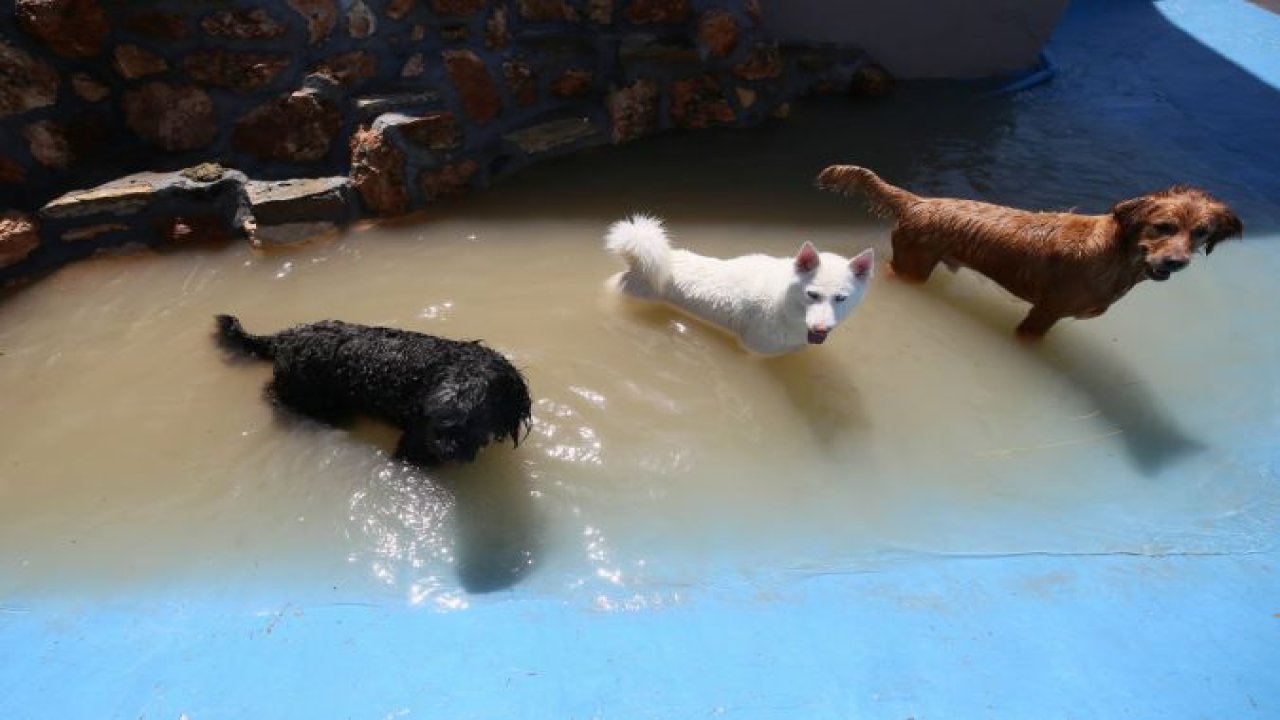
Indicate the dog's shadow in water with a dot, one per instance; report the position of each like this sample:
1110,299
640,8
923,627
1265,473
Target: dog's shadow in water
821,392
817,387
1153,439
498,534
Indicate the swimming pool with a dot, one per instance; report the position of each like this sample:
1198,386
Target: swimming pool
978,530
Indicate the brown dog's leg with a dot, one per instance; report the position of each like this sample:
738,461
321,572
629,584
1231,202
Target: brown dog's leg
912,260
1037,323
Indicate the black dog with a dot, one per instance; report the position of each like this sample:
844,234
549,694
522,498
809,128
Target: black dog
450,398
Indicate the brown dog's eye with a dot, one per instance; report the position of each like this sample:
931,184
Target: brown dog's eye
1165,228
1200,232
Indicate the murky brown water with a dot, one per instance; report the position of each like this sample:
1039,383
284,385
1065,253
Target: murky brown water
132,453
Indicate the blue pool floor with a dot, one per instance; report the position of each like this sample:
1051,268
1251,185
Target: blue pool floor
1026,636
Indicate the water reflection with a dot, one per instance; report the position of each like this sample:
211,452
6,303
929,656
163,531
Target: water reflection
399,520
428,531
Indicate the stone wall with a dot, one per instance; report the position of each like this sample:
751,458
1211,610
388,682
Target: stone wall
136,122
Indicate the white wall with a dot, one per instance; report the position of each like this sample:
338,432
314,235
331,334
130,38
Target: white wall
926,38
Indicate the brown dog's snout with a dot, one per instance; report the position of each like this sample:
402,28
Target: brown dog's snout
1174,263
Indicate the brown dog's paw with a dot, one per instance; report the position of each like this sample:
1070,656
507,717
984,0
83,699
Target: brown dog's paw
1032,331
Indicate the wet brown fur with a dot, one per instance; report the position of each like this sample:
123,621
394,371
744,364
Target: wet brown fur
1064,264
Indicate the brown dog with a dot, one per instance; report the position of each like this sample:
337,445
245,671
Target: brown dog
1064,264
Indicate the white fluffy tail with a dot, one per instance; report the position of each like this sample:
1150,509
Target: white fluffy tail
642,241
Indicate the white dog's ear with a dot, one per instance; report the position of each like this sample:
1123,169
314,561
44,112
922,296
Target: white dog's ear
807,258
862,264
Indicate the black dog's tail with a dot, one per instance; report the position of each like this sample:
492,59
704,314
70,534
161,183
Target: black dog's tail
232,335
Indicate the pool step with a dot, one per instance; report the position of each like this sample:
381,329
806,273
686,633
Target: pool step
144,210
368,107
204,203
286,212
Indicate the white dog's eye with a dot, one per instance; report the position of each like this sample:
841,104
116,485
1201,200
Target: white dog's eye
841,298
814,295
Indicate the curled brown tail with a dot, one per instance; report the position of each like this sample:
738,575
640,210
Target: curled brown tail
884,199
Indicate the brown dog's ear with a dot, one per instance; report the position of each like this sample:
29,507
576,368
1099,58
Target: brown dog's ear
1226,224
1129,214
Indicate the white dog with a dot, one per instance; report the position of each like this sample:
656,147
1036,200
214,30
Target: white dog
773,305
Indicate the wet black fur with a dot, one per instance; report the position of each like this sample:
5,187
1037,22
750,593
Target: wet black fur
450,397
